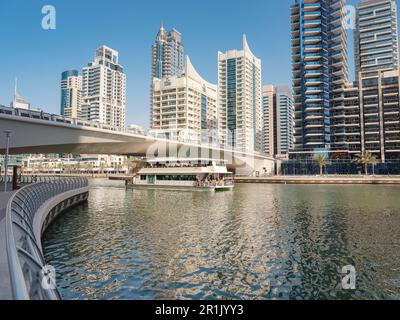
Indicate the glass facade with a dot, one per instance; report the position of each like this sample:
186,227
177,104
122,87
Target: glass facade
376,37
167,53
64,90
231,102
319,64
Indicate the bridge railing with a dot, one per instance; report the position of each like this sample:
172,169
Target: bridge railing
40,115
26,261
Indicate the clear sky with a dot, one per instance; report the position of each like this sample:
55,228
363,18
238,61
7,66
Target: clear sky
37,57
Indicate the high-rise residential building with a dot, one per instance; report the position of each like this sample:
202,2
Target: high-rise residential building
320,72
278,120
71,94
167,54
167,58
268,129
380,115
18,101
239,91
376,37
184,107
373,116
104,89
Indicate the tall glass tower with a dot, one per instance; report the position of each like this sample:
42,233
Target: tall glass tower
376,37
167,53
320,72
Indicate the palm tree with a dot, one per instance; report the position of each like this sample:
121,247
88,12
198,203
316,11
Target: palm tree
133,165
322,161
366,158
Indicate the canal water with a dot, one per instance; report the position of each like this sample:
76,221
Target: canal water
257,242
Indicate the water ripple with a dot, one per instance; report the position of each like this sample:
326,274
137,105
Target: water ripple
258,242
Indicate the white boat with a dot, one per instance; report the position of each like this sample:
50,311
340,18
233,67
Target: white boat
183,174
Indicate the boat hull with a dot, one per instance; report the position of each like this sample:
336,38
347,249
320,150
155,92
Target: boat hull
179,188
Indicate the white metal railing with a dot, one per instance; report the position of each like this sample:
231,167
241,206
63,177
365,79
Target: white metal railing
25,256
40,115
28,179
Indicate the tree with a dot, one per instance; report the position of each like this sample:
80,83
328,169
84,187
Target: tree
322,161
133,165
365,158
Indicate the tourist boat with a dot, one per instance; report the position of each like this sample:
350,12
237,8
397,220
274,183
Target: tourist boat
183,174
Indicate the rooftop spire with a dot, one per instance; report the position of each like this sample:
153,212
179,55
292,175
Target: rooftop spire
15,88
161,34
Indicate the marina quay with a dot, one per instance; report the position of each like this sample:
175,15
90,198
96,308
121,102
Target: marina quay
199,160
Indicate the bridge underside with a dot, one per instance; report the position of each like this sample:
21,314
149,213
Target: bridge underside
33,136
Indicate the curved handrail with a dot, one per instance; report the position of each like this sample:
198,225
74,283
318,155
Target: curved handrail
25,257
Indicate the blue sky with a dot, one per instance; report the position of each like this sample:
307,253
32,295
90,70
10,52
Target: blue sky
37,57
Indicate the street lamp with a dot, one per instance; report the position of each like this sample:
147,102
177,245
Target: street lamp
8,134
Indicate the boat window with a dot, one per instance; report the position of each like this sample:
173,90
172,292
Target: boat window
176,178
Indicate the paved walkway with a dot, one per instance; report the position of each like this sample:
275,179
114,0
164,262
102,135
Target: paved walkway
5,292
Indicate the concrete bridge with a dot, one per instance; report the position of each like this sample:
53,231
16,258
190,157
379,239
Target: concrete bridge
39,132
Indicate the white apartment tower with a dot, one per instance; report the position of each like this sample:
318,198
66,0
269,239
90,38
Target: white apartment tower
278,120
18,101
104,89
239,91
268,139
184,107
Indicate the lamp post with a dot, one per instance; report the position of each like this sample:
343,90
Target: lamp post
8,134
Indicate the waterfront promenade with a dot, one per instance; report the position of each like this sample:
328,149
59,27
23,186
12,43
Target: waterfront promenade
32,210
5,285
385,180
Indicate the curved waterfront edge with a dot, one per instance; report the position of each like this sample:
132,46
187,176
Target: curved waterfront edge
29,212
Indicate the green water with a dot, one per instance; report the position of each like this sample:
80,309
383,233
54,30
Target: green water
257,242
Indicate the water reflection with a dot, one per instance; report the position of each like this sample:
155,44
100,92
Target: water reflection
257,242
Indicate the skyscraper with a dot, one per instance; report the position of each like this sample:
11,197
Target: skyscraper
268,131
278,120
376,37
104,89
377,73
184,107
239,90
71,93
167,53
18,101
320,72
